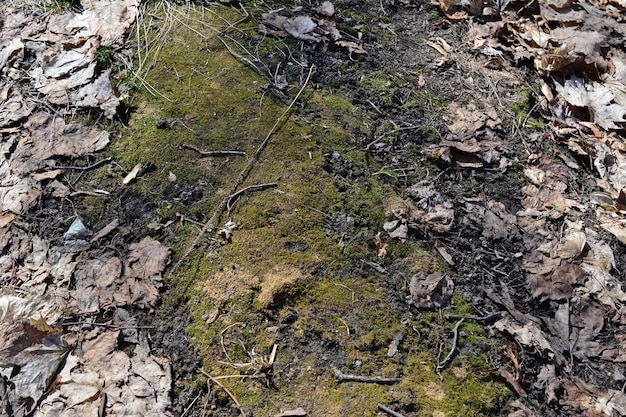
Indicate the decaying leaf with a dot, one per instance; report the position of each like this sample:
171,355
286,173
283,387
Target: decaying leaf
597,98
572,245
326,9
528,335
301,27
352,47
558,284
307,28
430,291
106,380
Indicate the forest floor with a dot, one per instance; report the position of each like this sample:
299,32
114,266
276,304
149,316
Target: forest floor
343,209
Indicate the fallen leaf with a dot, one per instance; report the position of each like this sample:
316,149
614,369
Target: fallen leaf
132,175
352,47
572,245
431,291
301,27
325,9
597,98
298,412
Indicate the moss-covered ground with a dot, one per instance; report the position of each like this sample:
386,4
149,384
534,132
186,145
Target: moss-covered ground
293,274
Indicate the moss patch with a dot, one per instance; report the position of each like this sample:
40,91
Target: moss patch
293,274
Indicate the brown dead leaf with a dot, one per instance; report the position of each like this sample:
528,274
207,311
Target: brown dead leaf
142,269
548,380
557,285
99,94
19,196
431,291
572,245
586,324
528,335
51,136
521,410
595,97
352,47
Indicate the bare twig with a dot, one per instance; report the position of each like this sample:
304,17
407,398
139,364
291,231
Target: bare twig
108,325
222,338
487,318
210,153
257,187
210,224
341,377
87,168
226,390
190,405
389,411
93,193
455,339
242,376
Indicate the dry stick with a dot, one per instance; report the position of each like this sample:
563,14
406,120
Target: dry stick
190,405
341,377
111,326
210,153
455,331
209,225
489,317
230,394
239,193
389,411
92,166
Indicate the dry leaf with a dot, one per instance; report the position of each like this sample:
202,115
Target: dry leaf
325,9
431,291
301,27
572,245
597,98
130,177
352,47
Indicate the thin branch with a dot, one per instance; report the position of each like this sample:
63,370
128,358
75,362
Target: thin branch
256,187
230,394
389,411
341,377
455,339
87,168
111,326
210,153
190,405
487,318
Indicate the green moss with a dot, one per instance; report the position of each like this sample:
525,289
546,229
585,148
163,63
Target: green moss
288,275
522,108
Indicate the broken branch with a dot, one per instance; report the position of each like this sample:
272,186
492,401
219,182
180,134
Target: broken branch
487,318
230,394
455,339
87,168
389,411
210,153
257,187
341,377
107,325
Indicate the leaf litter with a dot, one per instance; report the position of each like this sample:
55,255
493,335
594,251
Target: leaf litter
55,358
568,264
